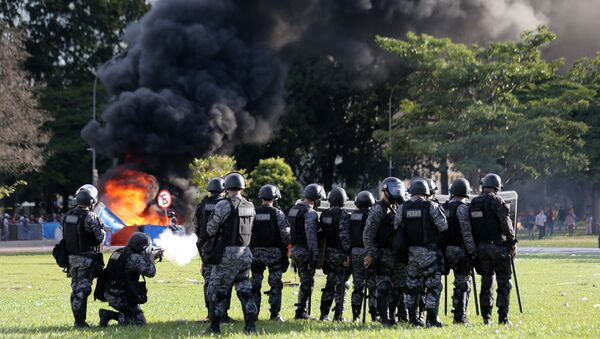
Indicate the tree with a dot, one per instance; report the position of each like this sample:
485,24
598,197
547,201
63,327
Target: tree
21,136
586,72
499,108
204,169
66,41
326,131
277,172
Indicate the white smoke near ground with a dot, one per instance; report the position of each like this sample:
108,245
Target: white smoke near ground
178,248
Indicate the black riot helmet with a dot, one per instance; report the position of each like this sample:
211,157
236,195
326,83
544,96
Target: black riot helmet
433,187
86,195
314,192
139,242
215,185
85,198
337,197
269,192
492,180
234,180
419,186
394,189
460,187
364,199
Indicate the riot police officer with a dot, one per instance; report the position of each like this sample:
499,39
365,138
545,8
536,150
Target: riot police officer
123,291
83,232
496,243
460,247
421,220
270,238
231,224
336,230
390,273
203,211
361,276
303,221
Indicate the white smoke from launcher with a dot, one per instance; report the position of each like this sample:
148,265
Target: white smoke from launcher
178,248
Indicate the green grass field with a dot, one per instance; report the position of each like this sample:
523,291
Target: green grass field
560,239
561,297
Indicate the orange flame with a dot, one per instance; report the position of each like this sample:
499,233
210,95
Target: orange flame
130,195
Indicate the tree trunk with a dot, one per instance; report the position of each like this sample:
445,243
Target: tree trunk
596,208
444,176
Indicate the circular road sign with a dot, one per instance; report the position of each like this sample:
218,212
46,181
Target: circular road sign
164,199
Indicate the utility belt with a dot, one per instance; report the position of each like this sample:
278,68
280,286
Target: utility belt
431,247
499,242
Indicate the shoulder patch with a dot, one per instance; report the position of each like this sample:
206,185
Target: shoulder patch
293,212
413,213
263,217
476,214
72,219
356,216
245,211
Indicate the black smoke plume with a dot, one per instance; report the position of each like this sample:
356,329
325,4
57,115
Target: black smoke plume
200,76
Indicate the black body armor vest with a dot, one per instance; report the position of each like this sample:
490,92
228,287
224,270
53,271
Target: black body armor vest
296,220
265,232
484,222
77,238
358,219
203,212
420,229
330,223
453,235
239,224
385,233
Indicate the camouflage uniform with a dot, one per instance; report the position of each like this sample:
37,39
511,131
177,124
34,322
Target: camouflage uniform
304,256
83,265
203,212
425,262
360,275
337,239
459,253
234,266
130,314
495,236
390,273
271,257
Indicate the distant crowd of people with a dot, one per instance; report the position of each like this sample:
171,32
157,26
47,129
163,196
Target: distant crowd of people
548,218
24,223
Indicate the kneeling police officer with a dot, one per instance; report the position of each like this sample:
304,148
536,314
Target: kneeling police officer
123,290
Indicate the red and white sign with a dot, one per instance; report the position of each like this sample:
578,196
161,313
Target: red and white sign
164,199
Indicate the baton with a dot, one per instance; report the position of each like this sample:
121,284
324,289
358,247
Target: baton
475,291
311,291
512,263
446,295
365,298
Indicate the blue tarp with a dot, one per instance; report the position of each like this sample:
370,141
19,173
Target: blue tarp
49,228
109,218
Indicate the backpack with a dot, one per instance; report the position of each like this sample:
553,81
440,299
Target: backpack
61,255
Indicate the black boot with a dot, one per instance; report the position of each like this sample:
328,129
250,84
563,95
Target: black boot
250,327
356,312
215,326
276,316
302,314
325,308
432,318
414,319
374,314
106,316
503,316
459,316
402,313
486,314
338,314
